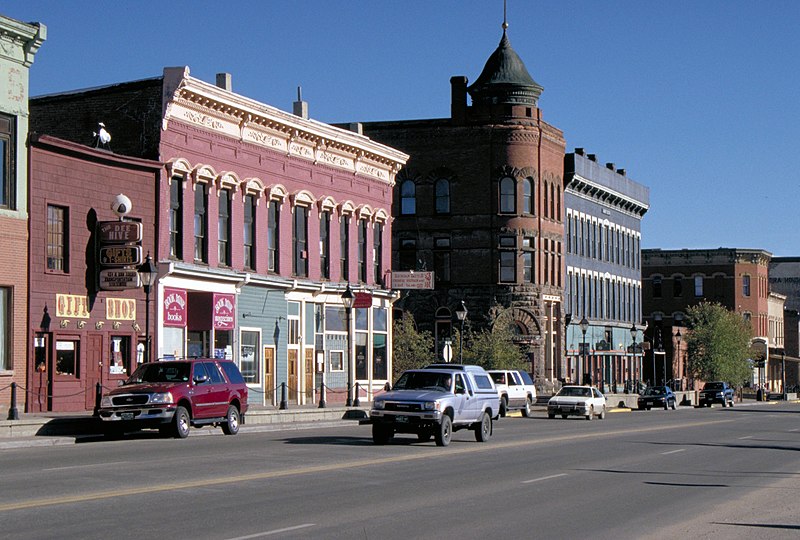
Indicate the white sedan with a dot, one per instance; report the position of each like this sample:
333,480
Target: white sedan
583,401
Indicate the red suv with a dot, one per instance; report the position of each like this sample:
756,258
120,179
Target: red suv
174,395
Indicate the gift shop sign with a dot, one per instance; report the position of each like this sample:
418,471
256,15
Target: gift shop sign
174,307
224,311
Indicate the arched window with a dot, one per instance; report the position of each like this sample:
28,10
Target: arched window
527,196
508,199
442,190
408,198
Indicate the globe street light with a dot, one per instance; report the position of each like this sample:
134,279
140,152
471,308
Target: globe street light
348,299
584,324
148,274
461,314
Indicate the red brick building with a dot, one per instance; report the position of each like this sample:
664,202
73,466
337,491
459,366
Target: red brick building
79,334
480,203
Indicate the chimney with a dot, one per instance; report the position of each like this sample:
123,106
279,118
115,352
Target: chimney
592,157
611,166
621,171
458,99
225,81
356,127
300,107
580,151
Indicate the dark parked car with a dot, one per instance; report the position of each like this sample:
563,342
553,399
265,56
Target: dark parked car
716,392
658,396
174,395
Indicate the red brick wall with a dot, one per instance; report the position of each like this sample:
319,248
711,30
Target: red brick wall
14,274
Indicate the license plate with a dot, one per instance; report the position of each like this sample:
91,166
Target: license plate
649,403
401,419
126,416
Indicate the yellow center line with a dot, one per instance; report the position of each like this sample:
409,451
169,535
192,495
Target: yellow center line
329,467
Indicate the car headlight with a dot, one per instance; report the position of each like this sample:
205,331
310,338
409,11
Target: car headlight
430,406
106,402
379,404
165,398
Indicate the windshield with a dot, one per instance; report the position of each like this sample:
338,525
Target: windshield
575,391
424,380
713,386
655,391
161,372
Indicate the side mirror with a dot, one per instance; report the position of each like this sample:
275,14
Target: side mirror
120,382
200,379
387,387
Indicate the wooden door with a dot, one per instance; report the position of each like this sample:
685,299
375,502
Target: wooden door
293,378
308,365
270,392
94,367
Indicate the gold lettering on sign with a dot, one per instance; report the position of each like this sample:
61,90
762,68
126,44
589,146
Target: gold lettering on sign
121,309
72,305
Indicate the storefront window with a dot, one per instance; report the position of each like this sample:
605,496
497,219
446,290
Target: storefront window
67,358
172,345
197,344
361,355
120,361
249,360
335,319
379,356
337,360
223,344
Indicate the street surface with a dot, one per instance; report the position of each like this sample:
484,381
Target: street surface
690,473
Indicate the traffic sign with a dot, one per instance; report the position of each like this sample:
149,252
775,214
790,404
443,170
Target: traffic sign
121,255
112,279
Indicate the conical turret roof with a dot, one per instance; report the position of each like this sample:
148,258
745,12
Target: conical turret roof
505,79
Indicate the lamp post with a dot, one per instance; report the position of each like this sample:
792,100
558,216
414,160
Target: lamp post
633,357
679,364
148,274
461,313
348,299
584,324
567,320
783,374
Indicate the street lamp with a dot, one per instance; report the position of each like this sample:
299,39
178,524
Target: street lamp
148,274
783,374
567,320
679,364
461,314
348,299
584,324
633,356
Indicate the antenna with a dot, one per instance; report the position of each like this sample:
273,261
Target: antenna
505,19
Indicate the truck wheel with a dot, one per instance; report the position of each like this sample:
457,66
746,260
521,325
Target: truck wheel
602,415
484,428
551,415
181,423
381,434
112,432
591,413
444,431
526,411
730,403
503,406
231,425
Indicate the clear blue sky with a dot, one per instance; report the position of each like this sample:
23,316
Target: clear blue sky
698,100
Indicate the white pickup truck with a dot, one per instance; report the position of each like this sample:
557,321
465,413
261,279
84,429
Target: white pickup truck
516,390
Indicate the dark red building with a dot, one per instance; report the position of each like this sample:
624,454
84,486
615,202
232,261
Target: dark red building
480,203
81,335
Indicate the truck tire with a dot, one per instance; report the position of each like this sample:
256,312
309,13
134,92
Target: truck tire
590,416
444,431
526,410
503,406
381,434
483,429
231,424
181,423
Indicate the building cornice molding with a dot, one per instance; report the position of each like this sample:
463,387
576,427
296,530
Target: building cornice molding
583,187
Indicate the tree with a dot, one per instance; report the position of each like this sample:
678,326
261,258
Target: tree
493,349
410,348
718,344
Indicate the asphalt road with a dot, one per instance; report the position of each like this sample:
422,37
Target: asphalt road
691,473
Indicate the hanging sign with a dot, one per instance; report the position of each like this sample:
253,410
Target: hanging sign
224,311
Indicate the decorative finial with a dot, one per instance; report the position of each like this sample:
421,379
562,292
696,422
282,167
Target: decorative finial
505,19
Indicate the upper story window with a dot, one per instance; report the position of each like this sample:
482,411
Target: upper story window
325,244
8,180
508,259
746,285
362,250
677,286
57,239
527,259
656,286
344,247
200,223
176,217
273,236
377,250
508,196
527,196
441,260
442,191
408,198
300,241
5,328
224,228
407,254
249,232
698,286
